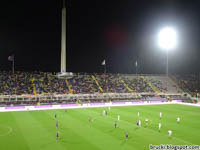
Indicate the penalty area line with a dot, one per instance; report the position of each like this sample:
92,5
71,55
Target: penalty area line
8,132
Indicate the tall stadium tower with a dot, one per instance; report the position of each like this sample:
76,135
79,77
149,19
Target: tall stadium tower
63,40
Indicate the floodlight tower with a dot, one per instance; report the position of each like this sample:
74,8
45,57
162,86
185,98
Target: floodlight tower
167,41
63,39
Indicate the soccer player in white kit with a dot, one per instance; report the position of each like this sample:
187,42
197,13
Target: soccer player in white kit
178,119
118,117
139,123
138,114
159,126
146,121
160,115
169,132
104,112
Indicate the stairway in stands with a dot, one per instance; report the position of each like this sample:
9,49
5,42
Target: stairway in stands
69,87
33,85
155,89
126,85
100,88
173,80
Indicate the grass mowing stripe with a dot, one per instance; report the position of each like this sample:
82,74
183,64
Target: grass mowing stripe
189,122
154,129
180,109
78,133
108,123
36,134
70,131
48,123
93,134
131,127
170,120
82,128
15,137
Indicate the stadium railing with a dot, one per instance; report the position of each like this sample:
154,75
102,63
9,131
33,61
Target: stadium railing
82,96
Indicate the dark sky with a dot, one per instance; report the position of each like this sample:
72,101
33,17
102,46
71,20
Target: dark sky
119,31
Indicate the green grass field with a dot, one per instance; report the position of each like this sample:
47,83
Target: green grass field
36,130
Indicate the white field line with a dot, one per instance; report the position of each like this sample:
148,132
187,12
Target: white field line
32,108
8,132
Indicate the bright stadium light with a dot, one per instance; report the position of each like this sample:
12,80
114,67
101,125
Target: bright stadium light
167,38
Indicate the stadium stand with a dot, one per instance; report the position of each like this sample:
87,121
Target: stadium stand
137,84
163,84
83,84
43,83
30,87
47,84
111,83
189,83
15,84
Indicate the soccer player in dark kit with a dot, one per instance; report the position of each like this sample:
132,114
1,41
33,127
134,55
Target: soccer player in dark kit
57,135
115,124
126,135
56,124
137,123
55,116
106,113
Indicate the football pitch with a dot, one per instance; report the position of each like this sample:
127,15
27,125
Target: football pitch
36,130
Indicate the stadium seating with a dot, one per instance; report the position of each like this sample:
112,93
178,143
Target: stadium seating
111,83
45,84
189,83
36,83
163,84
15,84
137,84
83,84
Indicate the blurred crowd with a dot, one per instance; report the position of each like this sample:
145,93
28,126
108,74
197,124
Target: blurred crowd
189,83
34,83
45,83
158,84
137,84
111,83
83,84
15,84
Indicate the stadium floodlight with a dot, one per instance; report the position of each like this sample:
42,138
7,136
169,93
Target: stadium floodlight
167,38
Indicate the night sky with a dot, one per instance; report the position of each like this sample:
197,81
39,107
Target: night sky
119,31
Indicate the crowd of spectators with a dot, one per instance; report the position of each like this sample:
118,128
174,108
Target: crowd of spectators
137,84
21,83
111,83
45,84
158,84
189,83
83,84
15,84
